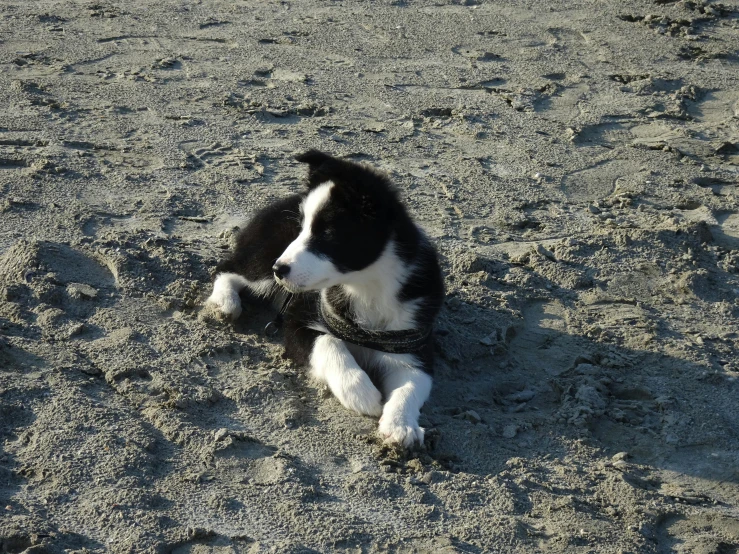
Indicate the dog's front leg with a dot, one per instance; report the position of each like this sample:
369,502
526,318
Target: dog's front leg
226,287
406,387
332,363
225,295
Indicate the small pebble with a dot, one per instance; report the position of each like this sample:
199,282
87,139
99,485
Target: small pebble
522,396
221,433
509,431
472,415
81,290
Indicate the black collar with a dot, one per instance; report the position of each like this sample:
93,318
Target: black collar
331,312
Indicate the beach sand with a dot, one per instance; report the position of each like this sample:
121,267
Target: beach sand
575,162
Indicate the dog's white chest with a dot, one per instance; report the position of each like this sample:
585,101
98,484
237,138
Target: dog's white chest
383,312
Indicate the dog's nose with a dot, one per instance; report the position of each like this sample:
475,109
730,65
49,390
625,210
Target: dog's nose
281,270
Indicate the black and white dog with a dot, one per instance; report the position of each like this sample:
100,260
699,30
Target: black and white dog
360,286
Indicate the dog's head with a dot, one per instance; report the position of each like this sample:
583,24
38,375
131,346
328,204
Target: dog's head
347,221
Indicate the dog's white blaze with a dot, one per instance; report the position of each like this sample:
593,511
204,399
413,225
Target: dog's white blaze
332,363
406,387
316,200
225,295
308,271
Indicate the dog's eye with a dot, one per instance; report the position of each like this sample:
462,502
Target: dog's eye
321,230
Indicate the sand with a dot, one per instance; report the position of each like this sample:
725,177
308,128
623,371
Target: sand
574,162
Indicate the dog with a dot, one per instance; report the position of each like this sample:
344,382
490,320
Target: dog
360,287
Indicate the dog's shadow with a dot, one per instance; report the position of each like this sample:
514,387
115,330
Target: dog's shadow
520,376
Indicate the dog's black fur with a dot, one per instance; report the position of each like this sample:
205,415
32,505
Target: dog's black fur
361,217
352,233
263,239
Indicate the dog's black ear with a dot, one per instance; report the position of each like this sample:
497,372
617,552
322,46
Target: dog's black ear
318,166
368,208
313,157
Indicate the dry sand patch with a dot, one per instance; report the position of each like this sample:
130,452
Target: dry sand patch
575,163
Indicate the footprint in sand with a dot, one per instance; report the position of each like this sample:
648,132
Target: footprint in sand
218,155
59,285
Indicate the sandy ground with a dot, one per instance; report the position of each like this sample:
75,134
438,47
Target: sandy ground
574,161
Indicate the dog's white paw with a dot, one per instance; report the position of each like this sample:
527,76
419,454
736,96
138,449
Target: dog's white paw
359,394
226,302
403,433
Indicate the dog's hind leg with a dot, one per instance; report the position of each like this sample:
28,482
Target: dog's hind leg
406,387
332,363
